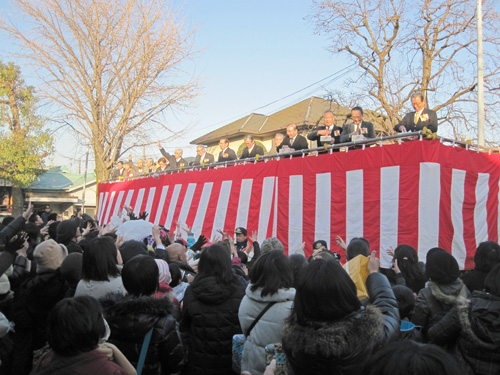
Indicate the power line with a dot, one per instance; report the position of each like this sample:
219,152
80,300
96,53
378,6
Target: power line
341,73
305,88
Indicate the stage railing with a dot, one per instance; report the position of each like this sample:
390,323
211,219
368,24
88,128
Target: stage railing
395,138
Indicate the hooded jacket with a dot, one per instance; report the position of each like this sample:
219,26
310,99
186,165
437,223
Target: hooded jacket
435,300
343,346
268,328
93,362
476,325
131,318
209,320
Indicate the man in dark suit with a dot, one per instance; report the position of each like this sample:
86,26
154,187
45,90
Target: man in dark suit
294,140
415,121
119,171
252,150
226,154
328,129
357,127
202,156
175,161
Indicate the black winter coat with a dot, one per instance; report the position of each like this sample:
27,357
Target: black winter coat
6,234
10,230
474,326
343,346
474,280
36,298
434,301
32,304
210,319
130,318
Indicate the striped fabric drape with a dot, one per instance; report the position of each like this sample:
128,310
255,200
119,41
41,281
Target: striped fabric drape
422,193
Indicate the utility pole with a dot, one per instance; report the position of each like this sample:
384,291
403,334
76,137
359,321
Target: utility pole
480,75
85,179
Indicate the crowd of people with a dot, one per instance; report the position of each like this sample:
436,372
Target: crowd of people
132,297
324,134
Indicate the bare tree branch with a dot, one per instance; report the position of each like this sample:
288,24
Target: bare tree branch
424,45
114,66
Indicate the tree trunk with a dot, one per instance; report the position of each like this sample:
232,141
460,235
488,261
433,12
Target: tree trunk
17,201
101,171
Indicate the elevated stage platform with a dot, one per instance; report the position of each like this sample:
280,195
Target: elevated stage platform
422,193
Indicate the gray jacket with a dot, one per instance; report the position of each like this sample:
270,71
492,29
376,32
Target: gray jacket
267,330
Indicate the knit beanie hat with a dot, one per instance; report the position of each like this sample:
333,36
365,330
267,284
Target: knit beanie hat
441,267
164,271
49,255
131,248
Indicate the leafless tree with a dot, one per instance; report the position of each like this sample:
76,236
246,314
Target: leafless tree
402,47
114,67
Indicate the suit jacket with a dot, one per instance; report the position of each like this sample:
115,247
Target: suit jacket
409,121
142,171
119,173
334,133
177,164
167,156
209,158
349,128
300,143
256,150
172,163
227,155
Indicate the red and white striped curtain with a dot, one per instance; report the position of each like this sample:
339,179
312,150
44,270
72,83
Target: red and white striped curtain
421,193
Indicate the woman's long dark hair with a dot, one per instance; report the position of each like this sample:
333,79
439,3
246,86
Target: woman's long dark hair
215,261
272,271
325,292
407,259
99,260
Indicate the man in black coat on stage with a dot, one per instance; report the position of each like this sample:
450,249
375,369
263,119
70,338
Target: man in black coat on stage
252,149
294,140
357,127
226,153
422,116
202,156
328,129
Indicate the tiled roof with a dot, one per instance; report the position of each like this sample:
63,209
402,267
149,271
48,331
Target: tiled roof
308,112
60,179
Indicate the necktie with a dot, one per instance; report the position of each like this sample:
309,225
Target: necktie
417,117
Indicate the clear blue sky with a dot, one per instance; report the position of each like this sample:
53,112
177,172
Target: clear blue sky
254,52
251,54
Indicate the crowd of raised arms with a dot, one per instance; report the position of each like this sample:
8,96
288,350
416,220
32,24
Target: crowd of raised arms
132,297
325,133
